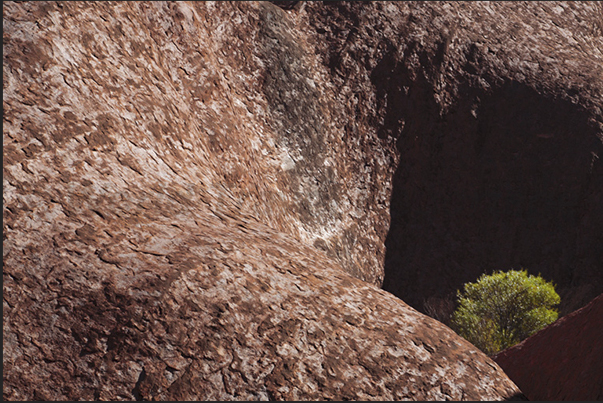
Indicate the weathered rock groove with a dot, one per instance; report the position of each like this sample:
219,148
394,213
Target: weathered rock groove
165,182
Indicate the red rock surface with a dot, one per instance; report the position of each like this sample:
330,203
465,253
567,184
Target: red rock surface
563,361
200,200
157,219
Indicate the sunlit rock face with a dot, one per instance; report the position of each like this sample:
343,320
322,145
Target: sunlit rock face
563,361
201,200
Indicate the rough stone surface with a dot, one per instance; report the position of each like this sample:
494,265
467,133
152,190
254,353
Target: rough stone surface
159,196
564,361
200,200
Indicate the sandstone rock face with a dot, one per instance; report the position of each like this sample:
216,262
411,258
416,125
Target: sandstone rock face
163,299
162,195
563,361
202,199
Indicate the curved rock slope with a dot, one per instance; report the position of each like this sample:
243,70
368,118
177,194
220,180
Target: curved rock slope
152,245
563,361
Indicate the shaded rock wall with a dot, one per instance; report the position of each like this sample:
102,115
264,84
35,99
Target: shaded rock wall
437,104
563,361
498,136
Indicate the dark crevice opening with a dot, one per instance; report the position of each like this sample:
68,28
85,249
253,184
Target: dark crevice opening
136,391
507,179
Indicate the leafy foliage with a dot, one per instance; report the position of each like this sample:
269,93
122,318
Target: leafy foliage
502,309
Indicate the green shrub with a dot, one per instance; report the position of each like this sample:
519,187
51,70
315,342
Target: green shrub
502,309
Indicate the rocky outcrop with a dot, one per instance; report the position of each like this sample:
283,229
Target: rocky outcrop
202,199
160,194
564,361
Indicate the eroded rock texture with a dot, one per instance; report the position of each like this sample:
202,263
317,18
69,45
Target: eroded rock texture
197,196
564,361
167,167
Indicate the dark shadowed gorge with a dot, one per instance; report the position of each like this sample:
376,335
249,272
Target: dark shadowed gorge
498,154
256,201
